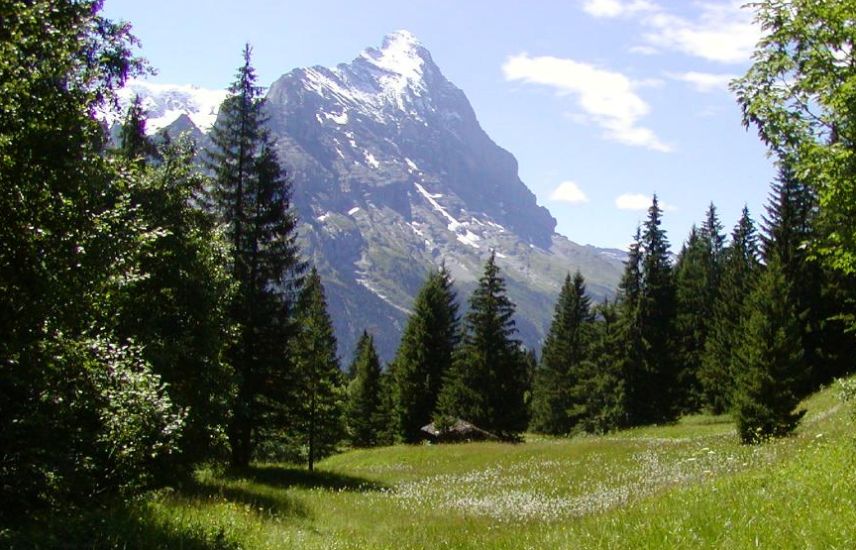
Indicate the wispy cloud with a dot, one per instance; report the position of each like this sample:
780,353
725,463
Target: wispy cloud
639,201
608,98
617,8
705,82
569,191
721,31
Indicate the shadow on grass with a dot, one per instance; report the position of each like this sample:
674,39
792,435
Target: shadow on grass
121,525
259,498
285,477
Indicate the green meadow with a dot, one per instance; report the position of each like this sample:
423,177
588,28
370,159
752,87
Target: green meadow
687,485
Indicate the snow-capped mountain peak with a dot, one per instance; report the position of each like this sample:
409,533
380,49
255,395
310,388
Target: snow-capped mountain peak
401,54
164,103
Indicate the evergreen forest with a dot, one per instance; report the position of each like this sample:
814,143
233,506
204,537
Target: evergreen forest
161,326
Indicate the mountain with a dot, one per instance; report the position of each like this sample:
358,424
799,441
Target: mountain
393,175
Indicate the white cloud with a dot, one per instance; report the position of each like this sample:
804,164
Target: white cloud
644,50
705,82
639,201
616,8
723,32
569,191
607,97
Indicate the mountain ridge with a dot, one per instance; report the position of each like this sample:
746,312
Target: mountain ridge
393,175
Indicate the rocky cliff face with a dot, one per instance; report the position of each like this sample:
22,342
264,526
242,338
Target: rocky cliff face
393,176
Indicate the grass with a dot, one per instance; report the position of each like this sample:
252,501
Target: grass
687,485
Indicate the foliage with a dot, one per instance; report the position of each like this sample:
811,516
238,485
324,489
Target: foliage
799,93
771,361
179,309
366,418
566,349
82,418
648,302
698,277
252,197
487,382
425,354
740,268
317,414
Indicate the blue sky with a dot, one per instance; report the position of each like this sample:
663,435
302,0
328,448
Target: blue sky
602,102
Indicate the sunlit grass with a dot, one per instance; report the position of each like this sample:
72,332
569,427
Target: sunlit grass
686,485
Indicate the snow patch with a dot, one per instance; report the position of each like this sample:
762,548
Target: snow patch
353,210
371,159
462,233
453,223
323,217
164,103
366,284
411,165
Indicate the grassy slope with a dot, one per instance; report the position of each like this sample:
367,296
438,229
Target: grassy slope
684,486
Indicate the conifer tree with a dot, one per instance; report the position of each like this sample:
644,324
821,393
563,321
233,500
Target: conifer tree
631,346
487,382
366,418
695,293
770,359
739,272
252,196
598,398
425,354
134,145
318,420
652,390
566,348
788,234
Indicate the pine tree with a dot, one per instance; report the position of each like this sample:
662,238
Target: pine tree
487,382
770,359
425,354
598,397
366,418
789,234
134,145
739,272
318,420
631,346
652,388
566,347
695,292
252,195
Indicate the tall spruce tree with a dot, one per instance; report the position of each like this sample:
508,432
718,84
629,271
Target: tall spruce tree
631,346
788,234
770,360
425,354
598,397
252,195
366,415
566,349
694,305
698,273
740,269
487,382
318,389
652,391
